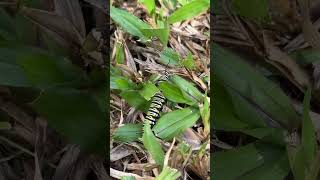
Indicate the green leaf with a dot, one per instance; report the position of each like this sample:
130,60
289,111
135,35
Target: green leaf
306,56
188,62
236,74
119,53
309,141
205,114
297,163
5,125
148,91
150,5
175,122
46,71
129,22
254,161
169,57
134,99
173,93
12,75
76,115
189,11
152,145
161,33
224,114
128,178
168,174
254,9
189,90
128,133
121,83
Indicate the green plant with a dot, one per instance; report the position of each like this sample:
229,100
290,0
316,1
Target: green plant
248,103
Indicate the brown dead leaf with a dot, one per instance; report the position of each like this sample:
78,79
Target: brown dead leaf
286,64
71,10
54,23
67,162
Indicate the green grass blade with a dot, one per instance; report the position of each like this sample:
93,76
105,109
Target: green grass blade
129,22
128,133
175,122
189,10
152,145
309,142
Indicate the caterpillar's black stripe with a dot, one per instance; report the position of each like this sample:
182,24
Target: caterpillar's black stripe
156,103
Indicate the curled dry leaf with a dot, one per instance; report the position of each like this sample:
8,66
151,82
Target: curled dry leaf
286,64
71,10
58,25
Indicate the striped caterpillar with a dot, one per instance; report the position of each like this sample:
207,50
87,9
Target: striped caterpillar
157,102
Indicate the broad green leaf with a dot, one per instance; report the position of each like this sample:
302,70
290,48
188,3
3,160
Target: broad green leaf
119,53
46,71
314,169
189,62
205,114
7,26
134,99
253,161
175,122
12,75
168,174
128,178
297,163
270,135
254,9
169,57
184,2
5,125
173,93
309,141
121,83
306,56
76,115
150,5
189,90
128,133
152,145
128,22
224,114
148,91
189,11
236,74
161,33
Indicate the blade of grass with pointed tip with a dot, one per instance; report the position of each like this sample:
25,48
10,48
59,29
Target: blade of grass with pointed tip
129,22
175,122
189,90
134,99
128,133
152,145
76,115
189,11
236,74
308,139
173,93
150,5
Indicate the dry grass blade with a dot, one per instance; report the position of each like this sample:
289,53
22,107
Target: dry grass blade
37,172
118,174
310,32
72,11
54,23
100,5
67,162
286,65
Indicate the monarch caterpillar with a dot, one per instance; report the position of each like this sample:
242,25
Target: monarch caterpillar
157,102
